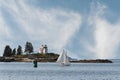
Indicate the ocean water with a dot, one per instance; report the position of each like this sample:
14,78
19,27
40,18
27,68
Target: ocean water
53,71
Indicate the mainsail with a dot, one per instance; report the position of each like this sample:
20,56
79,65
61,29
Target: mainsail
63,59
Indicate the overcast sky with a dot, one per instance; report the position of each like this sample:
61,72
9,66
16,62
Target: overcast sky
85,28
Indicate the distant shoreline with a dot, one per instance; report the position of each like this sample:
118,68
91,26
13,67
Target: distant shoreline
49,57
11,59
93,61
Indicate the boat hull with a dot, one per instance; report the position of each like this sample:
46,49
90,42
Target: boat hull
63,64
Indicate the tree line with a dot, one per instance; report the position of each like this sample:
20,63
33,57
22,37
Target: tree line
9,52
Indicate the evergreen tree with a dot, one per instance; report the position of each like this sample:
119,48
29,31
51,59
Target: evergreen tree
14,52
7,51
19,50
28,47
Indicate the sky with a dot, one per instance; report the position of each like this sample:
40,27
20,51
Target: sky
86,29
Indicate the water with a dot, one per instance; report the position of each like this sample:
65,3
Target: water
52,71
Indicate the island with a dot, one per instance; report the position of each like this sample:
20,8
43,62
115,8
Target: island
49,57
42,55
93,61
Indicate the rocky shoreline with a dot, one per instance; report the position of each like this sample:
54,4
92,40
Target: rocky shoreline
93,61
12,59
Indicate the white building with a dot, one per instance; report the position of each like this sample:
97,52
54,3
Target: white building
43,49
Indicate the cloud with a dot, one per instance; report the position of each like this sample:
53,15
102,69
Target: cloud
4,30
21,21
106,34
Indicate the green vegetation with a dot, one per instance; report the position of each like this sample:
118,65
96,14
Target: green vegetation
7,51
19,50
37,55
49,57
28,47
16,54
94,61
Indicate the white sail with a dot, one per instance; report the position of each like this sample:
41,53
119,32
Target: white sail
66,61
63,59
60,58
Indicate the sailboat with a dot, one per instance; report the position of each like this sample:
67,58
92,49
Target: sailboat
63,59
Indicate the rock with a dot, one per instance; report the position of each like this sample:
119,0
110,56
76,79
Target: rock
7,59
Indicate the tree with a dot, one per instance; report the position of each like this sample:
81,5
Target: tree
14,52
19,50
28,47
7,51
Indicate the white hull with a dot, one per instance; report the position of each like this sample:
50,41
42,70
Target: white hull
63,64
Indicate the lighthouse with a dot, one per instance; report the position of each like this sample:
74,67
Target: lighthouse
43,49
